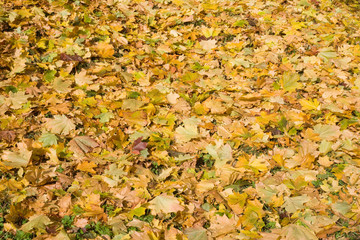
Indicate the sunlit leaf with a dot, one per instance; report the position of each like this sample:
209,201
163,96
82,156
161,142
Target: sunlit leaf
38,222
165,204
48,139
60,125
82,144
17,159
289,81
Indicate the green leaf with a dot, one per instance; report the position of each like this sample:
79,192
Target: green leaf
48,139
105,117
49,75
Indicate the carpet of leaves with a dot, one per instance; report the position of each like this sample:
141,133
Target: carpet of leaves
182,119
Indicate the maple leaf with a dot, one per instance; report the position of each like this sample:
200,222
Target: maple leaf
172,98
222,225
327,53
60,125
221,152
341,207
327,132
17,159
86,166
105,117
165,204
82,144
7,135
82,78
138,146
208,44
258,164
18,99
19,66
48,139
289,81
297,232
189,131
66,57
292,204
310,104
198,233
61,85
104,50
38,222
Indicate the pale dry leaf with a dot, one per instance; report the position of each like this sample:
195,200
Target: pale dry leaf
18,158
60,124
82,144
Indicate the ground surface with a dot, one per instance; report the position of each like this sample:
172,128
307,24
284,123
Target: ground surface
179,119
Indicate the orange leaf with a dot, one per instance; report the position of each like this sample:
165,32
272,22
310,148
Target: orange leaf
87,167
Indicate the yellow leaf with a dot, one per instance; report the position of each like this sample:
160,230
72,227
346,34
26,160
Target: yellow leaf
258,164
17,159
289,81
312,104
279,159
104,50
87,167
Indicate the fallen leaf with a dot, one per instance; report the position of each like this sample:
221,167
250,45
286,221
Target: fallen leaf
38,222
165,204
198,233
67,58
104,50
297,232
86,166
82,144
138,146
7,135
17,159
60,125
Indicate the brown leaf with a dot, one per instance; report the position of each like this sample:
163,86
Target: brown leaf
138,146
7,135
68,58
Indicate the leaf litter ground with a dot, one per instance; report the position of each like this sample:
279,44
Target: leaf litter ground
180,119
